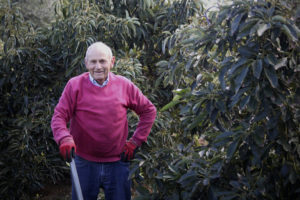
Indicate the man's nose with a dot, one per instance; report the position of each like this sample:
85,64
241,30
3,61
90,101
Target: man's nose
98,65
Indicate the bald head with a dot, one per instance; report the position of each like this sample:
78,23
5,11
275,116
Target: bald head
99,61
99,46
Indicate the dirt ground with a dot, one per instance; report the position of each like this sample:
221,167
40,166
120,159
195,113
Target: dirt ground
60,191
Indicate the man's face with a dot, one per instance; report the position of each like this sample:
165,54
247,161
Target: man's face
98,63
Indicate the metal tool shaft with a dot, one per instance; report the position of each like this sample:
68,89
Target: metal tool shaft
76,180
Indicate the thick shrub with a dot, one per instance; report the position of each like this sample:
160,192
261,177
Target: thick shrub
36,62
239,89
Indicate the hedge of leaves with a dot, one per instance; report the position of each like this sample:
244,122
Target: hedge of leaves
232,128
37,61
237,95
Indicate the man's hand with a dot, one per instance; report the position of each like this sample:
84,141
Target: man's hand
128,151
67,148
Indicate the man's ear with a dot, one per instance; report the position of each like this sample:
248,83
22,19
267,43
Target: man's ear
112,63
86,63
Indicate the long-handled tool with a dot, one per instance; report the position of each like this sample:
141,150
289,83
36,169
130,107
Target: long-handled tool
76,180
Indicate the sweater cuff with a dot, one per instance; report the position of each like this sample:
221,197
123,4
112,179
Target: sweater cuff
65,139
135,142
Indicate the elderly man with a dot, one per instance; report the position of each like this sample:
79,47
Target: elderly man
95,104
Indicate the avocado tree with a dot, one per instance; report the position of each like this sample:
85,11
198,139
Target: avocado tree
36,63
237,93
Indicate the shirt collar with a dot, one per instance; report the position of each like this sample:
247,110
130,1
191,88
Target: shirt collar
96,83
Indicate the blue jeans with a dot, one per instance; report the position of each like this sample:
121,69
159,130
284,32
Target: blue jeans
111,176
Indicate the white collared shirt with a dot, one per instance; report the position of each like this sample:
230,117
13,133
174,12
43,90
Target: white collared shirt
96,83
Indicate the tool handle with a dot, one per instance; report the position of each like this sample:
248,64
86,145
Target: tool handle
76,180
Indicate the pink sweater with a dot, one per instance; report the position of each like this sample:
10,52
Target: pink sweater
98,116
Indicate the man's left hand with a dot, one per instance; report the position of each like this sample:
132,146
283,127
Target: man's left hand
128,151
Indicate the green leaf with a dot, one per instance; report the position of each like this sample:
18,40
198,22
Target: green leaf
232,148
281,63
164,43
181,92
279,18
254,28
222,15
132,27
223,193
259,136
247,51
261,115
240,78
257,68
225,135
235,23
235,184
127,14
294,31
246,27
221,105
222,73
188,175
293,177
173,169
142,190
286,146
289,32
235,99
162,63
272,76
253,104
26,100
270,59
244,102
238,64
170,105
262,28
296,27
188,65
234,196
196,121
213,115
133,170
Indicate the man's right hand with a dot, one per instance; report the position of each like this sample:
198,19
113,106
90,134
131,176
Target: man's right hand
67,148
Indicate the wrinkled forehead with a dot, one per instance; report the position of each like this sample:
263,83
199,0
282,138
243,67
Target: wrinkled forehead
98,47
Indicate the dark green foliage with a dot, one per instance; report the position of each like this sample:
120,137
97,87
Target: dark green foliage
231,129
244,100
37,62
29,155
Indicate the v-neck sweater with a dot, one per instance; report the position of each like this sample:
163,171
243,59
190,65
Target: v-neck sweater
98,116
